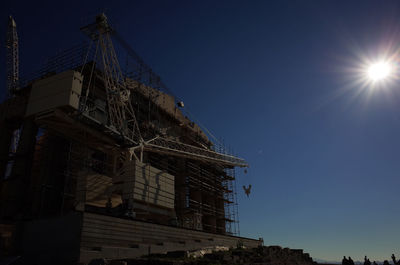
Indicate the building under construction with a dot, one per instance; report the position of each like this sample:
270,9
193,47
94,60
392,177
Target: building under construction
99,159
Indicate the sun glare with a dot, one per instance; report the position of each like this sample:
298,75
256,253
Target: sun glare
379,71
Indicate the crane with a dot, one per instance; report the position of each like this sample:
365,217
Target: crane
121,114
12,57
12,68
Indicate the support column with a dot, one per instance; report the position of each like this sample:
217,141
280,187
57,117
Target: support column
23,159
5,142
21,171
6,135
180,190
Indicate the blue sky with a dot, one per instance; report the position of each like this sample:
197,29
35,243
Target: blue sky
279,82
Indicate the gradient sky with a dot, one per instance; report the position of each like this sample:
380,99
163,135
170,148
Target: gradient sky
279,81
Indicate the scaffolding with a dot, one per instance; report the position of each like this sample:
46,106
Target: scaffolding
98,169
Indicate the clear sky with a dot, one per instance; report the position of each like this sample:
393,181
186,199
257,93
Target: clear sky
279,82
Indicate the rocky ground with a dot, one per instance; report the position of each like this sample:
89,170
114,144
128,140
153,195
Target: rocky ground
272,255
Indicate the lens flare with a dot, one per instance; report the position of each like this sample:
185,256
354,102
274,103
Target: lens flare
379,71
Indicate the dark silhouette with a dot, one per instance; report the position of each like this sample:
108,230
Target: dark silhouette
247,190
351,262
345,261
374,263
366,261
386,262
394,260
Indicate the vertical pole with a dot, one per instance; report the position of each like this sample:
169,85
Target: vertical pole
141,153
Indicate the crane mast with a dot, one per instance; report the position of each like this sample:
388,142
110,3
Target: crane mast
120,111
12,68
12,57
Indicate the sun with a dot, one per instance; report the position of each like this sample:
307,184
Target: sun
379,71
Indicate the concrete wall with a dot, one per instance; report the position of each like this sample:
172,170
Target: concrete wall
81,237
114,238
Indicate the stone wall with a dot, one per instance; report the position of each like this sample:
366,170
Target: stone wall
115,238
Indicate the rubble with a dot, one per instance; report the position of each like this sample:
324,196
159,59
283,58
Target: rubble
263,255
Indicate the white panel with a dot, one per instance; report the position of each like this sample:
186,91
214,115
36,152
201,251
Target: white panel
60,90
153,185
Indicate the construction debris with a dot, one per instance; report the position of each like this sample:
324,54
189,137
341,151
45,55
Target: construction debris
272,255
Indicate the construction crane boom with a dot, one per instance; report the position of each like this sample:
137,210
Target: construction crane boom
12,57
121,115
162,145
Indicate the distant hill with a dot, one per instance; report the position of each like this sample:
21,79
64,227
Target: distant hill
326,262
